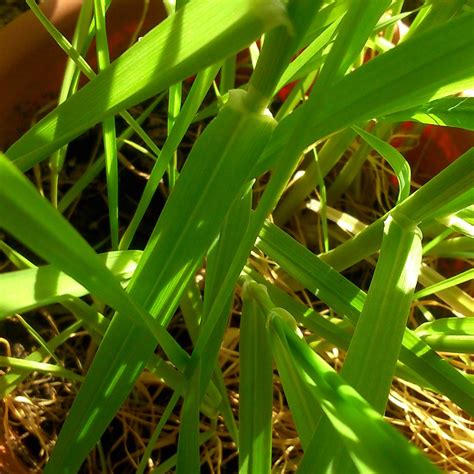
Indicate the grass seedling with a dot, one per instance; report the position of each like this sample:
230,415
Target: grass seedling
279,256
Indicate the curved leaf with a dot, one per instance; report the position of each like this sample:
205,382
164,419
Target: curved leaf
447,112
394,158
198,35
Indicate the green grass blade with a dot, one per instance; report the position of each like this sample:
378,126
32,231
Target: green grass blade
170,406
221,254
430,66
325,17
449,334
191,305
278,47
93,171
188,459
372,443
166,466
459,202
41,367
447,283
196,209
108,127
37,337
111,172
44,230
444,72
298,388
460,302
331,152
11,380
327,284
448,112
353,167
95,322
332,330
25,290
207,345
394,158
255,388
334,333
456,224
310,58
259,95
370,362
457,247
68,87
83,66
227,79
18,260
433,14
452,185
347,299
186,228
219,295
198,91
185,42
379,331
174,106
354,29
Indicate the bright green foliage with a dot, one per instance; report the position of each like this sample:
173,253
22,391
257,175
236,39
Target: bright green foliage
348,300
211,31
217,220
256,387
394,158
27,289
451,112
373,445
207,201
449,335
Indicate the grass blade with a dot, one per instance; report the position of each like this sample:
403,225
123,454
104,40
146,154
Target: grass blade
44,230
108,126
426,203
186,228
93,171
41,367
379,331
10,381
373,444
256,387
449,334
188,459
25,290
391,291
331,330
189,40
384,85
448,112
447,283
395,160
347,299
198,91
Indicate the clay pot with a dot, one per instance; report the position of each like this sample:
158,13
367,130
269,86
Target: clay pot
32,64
437,148
8,461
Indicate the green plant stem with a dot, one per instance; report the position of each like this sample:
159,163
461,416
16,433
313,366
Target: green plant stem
424,204
108,127
331,152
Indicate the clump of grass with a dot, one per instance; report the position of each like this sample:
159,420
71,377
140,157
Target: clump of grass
216,341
